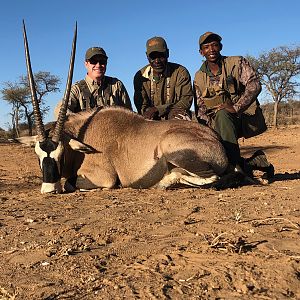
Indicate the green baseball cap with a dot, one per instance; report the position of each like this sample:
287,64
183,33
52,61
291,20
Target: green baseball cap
206,35
94,51
156,44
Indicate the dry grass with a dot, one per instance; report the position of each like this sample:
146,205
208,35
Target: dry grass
228,242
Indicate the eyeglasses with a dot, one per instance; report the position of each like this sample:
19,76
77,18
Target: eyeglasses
94,61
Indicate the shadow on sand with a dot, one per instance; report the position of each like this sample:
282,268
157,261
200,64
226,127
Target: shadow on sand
248,151
285,176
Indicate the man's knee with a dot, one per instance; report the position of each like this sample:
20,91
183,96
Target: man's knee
223,117
224,124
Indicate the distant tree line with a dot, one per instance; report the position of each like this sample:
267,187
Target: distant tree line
288,112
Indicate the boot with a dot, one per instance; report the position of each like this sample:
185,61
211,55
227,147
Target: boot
259,161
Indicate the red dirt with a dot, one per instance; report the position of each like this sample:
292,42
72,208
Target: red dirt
150,244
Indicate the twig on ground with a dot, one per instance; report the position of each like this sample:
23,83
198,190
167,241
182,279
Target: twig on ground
257,223
234,244
216,240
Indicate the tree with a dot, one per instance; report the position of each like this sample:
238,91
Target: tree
278,70
18,95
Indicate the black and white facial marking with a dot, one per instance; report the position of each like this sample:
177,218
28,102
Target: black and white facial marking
50,154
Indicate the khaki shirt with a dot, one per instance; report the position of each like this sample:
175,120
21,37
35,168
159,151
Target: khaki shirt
116,95
172,90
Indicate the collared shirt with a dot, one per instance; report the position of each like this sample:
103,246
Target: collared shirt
110,91
247,78
172,89
205,68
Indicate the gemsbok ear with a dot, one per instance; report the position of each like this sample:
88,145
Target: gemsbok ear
78,146
29,141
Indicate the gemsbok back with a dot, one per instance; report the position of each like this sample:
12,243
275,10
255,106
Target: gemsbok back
116,147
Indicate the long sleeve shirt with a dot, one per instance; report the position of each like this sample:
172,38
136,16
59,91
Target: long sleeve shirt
172,90
110,92
249,83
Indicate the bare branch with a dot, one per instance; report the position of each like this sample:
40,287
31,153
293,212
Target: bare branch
18,95
278,69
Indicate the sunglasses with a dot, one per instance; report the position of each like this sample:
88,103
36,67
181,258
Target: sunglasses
160,55
94,61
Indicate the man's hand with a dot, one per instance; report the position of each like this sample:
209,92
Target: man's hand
227,106
184,117
151,113
179,114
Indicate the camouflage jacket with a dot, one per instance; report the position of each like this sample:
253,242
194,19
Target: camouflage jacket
244,80
110,92
172,90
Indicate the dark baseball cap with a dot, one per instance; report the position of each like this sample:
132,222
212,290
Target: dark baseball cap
94,51
156,44
206,35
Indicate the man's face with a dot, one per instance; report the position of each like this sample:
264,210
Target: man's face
211,50
96,67
158,61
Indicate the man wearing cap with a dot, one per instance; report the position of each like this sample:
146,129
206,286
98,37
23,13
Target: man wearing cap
162,90
226,89
97,90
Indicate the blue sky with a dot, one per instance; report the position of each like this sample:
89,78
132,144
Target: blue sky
122,28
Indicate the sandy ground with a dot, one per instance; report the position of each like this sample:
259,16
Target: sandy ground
147,244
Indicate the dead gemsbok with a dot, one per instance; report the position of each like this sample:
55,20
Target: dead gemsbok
114,146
